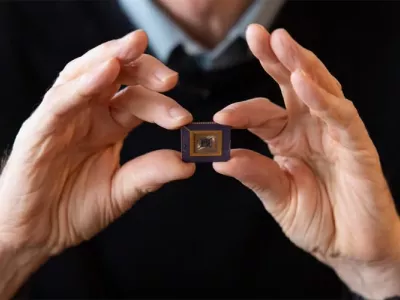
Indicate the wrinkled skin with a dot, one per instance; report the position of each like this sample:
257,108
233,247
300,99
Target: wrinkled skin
324,186
63,181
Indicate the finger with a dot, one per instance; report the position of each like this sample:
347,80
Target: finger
66,99
264,118
125,50
338,113
148,72
134,104
259,41
108,93
259,173
136,67
293,56
146,174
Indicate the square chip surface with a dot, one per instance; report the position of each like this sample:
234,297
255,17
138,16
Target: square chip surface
205,142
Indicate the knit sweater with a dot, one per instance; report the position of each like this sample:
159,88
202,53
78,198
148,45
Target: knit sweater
208,231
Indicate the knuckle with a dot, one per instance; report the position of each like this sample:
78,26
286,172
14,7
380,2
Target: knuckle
70,64
68,67
310,54
128,93
292,54
313,60
144,57
239,163
144,190
349,114
49,95
256,188
337,82
117,207
351,108
143,62
151,188
82,92
260,100
107,46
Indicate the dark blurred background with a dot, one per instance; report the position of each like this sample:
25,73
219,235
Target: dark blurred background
211,240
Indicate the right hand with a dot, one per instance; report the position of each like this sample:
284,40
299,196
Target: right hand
63,182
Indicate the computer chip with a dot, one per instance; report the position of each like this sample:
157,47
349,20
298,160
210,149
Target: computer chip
205,142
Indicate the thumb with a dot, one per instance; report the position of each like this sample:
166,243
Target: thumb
145,174
261,174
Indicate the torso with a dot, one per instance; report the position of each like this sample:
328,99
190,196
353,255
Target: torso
208,231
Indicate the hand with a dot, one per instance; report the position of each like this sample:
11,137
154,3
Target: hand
63,182
325,185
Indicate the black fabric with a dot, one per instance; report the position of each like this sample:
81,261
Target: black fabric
358,297
208,232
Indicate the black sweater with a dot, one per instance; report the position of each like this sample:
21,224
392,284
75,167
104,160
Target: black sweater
208,231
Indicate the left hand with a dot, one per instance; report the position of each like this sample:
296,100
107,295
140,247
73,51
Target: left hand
325,186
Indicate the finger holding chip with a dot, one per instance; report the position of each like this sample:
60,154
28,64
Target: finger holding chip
135,104
259,115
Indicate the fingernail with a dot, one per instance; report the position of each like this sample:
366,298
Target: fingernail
163,74
128,35
227,110
253,25
179,113
125,37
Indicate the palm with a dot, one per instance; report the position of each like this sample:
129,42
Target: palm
321,205
82,155
309,217
84,192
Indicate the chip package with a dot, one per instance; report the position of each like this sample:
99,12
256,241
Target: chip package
205,142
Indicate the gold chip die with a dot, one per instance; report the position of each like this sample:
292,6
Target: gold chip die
205,143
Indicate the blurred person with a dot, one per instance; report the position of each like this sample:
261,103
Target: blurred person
71,224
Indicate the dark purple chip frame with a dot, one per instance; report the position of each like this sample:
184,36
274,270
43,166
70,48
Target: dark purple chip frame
222,134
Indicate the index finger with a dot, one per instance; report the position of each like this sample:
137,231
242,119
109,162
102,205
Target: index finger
126,50
262,117
294,56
